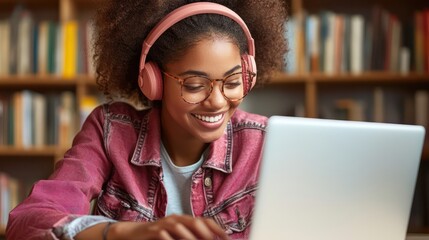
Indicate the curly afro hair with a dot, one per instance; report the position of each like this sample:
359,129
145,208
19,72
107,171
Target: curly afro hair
122,26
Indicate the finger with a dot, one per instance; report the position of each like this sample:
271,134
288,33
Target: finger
215,228
197,226
156,230
201,230
164,235
178,228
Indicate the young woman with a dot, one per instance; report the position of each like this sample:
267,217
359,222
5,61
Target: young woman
187,166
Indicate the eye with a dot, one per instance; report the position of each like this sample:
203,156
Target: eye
195,84
233,81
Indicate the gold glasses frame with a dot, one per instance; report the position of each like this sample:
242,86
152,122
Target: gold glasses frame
212,81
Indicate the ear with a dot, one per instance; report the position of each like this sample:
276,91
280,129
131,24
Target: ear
150,81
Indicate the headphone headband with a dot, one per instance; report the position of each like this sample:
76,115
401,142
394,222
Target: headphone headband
150,77
191,10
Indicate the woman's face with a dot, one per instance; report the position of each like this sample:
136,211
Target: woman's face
206,121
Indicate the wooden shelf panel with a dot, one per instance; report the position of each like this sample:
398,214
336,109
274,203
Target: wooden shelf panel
364,78
50,151
23,81
33,4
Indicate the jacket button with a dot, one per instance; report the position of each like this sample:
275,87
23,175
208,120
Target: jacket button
208,182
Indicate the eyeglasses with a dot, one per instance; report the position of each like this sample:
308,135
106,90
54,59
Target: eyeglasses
196,89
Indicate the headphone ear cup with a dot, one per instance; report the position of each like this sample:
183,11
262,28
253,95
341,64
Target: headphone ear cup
150,81
249,64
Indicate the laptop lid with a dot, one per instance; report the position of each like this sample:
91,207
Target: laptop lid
332,179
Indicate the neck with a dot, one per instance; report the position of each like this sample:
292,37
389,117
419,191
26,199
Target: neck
183,152
182,148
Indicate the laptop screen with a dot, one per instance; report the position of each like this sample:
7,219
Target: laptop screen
332,179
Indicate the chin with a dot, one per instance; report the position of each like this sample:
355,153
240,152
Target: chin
209,138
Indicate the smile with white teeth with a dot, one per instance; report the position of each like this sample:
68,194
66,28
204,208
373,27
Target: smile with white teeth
210,119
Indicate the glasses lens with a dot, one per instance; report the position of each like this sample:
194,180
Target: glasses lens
234,87
195,89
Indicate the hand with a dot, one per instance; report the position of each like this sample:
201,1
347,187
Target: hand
169,228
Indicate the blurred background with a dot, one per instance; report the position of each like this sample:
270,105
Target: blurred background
364,60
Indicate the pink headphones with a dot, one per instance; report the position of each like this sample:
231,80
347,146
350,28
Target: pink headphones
150,76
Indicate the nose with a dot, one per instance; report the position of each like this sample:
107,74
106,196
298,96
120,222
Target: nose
216,98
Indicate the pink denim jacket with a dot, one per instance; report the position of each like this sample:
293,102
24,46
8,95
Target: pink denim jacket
115,159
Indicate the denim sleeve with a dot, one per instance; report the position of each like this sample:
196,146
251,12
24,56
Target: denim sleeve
71,229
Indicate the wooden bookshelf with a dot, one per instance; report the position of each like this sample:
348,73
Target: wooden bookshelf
39,161
363,78
313,81
316,85
310,86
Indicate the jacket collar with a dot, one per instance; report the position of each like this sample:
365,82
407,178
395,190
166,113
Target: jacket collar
148,146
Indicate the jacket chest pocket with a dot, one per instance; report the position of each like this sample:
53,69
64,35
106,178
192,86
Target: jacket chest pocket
118,205
235,213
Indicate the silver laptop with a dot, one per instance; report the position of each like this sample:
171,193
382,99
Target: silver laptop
331,179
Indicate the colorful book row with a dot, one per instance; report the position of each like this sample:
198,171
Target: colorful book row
382,105
335,43
30,46
9,197
31,119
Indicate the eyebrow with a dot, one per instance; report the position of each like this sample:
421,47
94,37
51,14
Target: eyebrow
200,73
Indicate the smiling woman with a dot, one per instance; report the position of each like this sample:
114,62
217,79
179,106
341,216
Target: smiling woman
184,122
182,168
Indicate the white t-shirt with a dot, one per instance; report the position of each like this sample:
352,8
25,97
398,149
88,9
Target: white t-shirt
177,182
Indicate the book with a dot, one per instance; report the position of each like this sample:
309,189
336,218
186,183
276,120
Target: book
70,34
81,60
10,120
404,60
338,42
328,41
4,199
346,43
52,118
422,107
9,196
290,58
368,46
4,47
378,20
34,48
18,119
26,118
409,109
39,123
312,43
52,63
67,112
90,33
419,42
87,104
24,44
379,109
3,119
393,46
42,46
13,47
357,44
426,39
349,109
59,50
